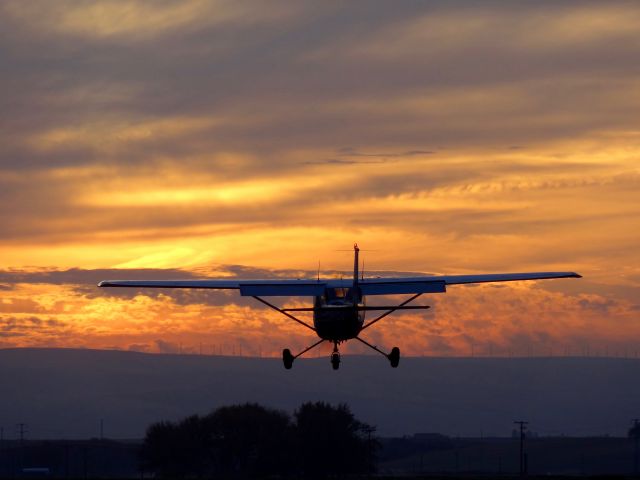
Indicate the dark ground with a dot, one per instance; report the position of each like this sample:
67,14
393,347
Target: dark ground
500,456
442,457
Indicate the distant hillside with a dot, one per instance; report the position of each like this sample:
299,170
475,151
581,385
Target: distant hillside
65,393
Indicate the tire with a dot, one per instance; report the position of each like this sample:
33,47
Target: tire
287,358
335,361
394,357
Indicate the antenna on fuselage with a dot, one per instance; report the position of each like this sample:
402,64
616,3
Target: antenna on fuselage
356,263
318,270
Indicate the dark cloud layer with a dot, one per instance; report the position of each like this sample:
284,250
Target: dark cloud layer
78,276
312,79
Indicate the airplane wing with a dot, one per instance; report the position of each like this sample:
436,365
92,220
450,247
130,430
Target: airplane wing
286,288
218,284
438,283
368,286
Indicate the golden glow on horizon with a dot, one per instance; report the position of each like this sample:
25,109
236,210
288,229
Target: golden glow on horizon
492,319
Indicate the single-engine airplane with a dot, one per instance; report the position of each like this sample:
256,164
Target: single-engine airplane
339,305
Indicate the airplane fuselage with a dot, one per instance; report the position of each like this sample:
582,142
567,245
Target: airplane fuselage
336,314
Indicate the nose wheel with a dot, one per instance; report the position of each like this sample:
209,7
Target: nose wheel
335,360
335,357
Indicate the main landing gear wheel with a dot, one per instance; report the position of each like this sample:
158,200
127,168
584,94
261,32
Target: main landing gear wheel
287,358
394,357
335,360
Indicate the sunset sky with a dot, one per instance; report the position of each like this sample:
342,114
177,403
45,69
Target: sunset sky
158,139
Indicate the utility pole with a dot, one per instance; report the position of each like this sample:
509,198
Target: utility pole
21,431
369,430
523,427
635,430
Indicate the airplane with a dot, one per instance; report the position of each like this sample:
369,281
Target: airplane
339,305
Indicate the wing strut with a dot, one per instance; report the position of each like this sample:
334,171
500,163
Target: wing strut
393,309
372,346
284,313
309,348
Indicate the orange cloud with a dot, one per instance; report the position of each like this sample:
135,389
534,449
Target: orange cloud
518,319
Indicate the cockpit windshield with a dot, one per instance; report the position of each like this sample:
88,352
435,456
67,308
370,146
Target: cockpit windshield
337,293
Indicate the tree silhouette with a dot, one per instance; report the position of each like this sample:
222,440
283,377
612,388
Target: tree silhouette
157,451
250,440
330,440
178,450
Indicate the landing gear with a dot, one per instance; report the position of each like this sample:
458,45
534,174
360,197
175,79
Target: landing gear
335,357
287,358
327,311
335,360
394,357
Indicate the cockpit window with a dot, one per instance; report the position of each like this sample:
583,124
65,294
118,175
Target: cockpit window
337,293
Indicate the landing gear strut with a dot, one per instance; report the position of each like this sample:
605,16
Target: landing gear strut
288,357
393,356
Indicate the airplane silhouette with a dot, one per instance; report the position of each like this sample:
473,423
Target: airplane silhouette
339,305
